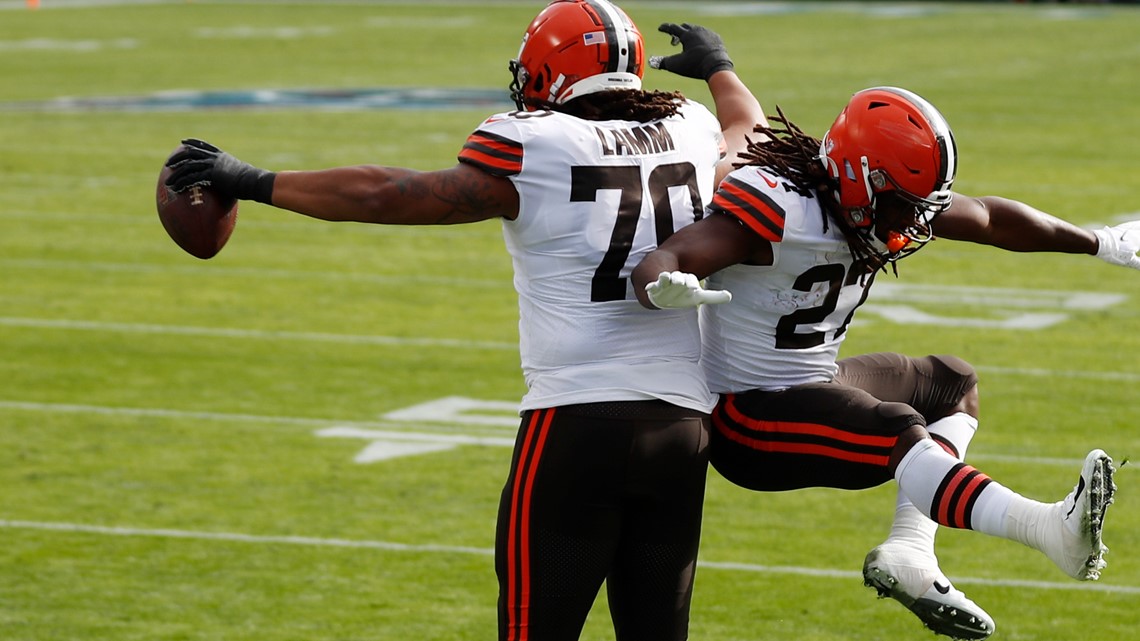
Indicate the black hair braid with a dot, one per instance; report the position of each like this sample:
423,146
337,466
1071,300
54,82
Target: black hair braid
793,154
623,104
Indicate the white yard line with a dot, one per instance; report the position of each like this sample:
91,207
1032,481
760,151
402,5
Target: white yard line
327,426
229,332
388,546
457,433
198,270
452,343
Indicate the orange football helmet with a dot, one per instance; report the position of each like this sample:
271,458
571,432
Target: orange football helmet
891,140
573,48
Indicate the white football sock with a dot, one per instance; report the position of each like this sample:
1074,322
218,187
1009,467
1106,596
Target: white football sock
911,527
951,492
957,430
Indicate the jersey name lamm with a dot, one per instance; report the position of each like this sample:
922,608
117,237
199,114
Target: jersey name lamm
628,141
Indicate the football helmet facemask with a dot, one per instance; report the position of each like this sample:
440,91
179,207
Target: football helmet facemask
891,140
573,48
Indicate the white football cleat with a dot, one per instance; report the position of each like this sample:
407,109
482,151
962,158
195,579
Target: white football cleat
1069,531
913,579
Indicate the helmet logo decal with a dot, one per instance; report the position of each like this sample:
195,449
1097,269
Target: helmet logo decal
556,86
849,169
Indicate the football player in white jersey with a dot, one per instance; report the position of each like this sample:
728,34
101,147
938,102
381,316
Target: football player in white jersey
794,240
588,175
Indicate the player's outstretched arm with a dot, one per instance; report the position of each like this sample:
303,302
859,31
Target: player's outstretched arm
704,56
1011,225
364,193
1016,226
396,196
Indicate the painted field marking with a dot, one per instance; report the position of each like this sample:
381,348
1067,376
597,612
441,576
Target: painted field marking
360,99
378,428
388,546
450,410
393,432
896,303
74,46
224,332
261,273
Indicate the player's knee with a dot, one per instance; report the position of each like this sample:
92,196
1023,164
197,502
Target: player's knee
959,381
908,427
899,417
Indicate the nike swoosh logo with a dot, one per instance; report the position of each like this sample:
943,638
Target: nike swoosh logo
944,589
768,180
1076,497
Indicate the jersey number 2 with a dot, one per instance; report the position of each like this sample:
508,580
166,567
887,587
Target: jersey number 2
835,280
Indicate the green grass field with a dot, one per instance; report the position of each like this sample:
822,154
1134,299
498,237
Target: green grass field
209,450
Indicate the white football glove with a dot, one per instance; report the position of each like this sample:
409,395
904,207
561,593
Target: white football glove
1118,245
675,290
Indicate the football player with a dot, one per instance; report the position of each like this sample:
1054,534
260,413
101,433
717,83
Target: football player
588,175
794,239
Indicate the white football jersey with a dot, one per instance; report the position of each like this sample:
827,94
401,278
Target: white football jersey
786,321
594,199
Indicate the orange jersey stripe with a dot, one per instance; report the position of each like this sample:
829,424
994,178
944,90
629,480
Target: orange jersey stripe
752,206
493,154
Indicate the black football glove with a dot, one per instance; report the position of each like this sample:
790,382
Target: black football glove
201,163
702,52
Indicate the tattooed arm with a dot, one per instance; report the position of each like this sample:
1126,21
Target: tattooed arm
396,196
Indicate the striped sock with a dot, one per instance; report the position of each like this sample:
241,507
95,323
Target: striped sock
951,492
911,527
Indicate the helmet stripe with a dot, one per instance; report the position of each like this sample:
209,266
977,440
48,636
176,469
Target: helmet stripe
617,38
947,148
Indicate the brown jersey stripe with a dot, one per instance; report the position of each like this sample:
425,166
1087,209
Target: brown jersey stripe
752,206
492,153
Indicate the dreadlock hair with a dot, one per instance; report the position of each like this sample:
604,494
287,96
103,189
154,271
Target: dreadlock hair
793,154
622,104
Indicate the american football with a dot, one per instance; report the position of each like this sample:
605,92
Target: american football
197,219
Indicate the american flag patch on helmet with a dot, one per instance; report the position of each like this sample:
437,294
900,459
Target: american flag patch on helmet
594,38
